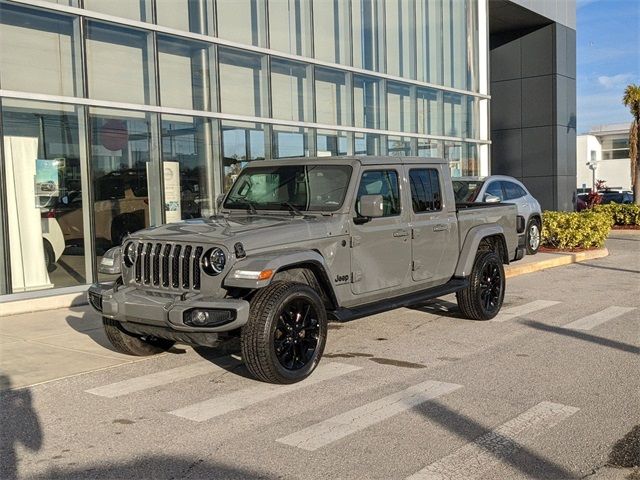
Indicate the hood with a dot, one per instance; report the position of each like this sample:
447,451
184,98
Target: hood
254,231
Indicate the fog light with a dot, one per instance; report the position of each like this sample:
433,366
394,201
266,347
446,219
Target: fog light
208,317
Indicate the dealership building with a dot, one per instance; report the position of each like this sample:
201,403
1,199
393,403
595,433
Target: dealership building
116,115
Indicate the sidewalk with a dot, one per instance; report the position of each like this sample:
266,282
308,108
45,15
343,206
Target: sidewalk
45,345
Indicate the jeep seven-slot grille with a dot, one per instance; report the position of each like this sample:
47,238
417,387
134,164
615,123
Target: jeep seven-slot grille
165,265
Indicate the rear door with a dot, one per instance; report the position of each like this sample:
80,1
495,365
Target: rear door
434,227
380,253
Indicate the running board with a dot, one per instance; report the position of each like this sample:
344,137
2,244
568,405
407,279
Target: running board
346,314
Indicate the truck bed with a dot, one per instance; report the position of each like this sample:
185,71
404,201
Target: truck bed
471,215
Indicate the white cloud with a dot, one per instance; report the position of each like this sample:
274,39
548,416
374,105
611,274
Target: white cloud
614,81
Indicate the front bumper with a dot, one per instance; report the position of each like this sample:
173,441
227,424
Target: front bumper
164,309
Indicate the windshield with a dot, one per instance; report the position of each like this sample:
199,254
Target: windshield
466,191
305,187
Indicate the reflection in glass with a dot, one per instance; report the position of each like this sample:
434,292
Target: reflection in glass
331,97
44,195
289,26
36,51
366,101
241,21
429,40
429,112
118,64
330,27
133,9
331,143
470,165
367,144
453,119
400,38
364,27
241,143
472,113
399,118
289,142
454,43
184,73
398,146
241,81
188,15
120,152
453,154
187,165
428,148
288,87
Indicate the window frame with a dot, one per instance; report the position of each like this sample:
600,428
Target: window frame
357,196
438,177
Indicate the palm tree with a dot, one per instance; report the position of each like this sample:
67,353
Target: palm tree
631,99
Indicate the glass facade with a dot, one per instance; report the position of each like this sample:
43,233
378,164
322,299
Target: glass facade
146,117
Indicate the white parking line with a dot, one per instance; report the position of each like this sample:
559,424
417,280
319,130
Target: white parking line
214,407
525,309
165,377
598,318
489,450
340,426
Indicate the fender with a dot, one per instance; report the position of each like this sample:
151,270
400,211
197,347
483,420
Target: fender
470,246
244,273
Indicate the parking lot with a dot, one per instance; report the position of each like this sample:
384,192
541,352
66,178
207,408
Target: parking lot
542,391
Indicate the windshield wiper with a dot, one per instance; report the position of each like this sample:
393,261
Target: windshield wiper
251,207
292,208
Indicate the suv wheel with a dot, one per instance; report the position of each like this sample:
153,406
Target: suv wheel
482,299
130,344
533,237
285,335
49,256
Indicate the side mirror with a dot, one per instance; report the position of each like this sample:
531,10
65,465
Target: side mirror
219,200
111,261
491,198
371,206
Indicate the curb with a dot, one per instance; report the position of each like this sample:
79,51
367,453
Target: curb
563,259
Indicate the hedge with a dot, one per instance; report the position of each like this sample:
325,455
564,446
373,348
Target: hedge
571,230
621,214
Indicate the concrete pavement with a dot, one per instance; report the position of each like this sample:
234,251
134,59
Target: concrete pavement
543,391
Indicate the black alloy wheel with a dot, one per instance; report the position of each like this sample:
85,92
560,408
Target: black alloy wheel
483,298
491,287
296,334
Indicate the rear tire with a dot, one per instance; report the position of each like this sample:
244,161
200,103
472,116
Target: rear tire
283,340
533,237
49,256
130,344
483,298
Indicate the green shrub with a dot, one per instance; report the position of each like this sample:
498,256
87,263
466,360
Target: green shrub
570,230
621,214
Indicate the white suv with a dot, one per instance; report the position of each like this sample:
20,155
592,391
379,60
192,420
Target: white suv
500,188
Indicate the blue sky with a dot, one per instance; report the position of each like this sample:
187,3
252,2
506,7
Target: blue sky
608,59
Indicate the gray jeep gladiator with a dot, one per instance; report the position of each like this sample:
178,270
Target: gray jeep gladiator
297,242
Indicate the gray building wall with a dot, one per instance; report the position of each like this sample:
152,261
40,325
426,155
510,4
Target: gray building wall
533,110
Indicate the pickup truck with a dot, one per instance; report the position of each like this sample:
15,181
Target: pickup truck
297,242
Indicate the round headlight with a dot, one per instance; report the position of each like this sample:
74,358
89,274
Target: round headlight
213,261
130,253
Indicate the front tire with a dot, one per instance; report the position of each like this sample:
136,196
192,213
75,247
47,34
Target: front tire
483,298
533,237
285,335
130,344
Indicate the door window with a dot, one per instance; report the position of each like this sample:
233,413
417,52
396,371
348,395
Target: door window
425,190
513,190
381,182
495,189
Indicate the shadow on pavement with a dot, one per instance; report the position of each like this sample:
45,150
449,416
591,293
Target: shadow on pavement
79,324
20,425
518,456
439,307
156,467
625,347
582,264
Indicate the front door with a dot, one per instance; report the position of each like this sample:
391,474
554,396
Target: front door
380,247
434,244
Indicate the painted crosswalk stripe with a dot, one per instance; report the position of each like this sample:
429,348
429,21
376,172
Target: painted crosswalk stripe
152,380
489,450
520,310
598,318
340,426
214,407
